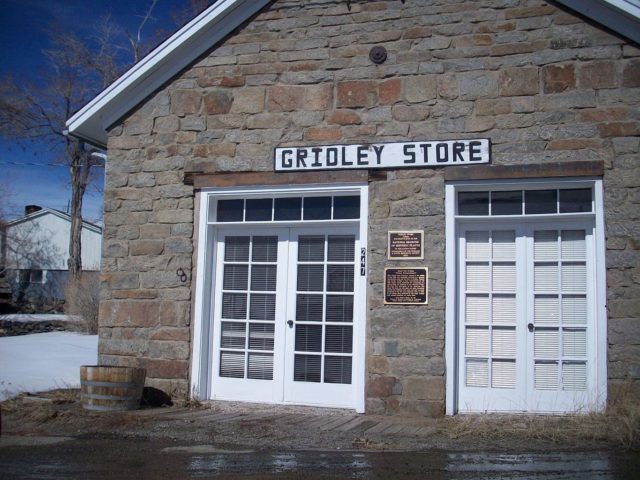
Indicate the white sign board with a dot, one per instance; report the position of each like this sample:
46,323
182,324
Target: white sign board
436,153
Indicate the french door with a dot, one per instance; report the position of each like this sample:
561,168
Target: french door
285,312
526,315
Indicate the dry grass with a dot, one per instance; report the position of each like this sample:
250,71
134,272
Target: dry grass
82,298
618,426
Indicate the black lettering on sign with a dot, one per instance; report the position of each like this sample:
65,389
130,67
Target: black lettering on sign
362,156
316,157
332,152
409,154
378,150
474,151
287,159
442,153
425,151
302,154
458,148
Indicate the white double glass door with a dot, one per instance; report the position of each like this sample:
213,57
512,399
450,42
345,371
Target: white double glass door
285,308
526,310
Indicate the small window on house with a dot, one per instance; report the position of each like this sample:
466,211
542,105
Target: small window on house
31,276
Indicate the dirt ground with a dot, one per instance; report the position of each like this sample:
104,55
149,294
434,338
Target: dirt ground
267,427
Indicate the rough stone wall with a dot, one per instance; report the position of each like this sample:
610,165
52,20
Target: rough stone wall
541,83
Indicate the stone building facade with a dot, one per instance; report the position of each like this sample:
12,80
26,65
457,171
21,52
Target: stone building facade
558,96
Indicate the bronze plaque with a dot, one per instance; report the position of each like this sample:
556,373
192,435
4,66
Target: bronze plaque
407,245
405,286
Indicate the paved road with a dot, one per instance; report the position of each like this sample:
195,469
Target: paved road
106,458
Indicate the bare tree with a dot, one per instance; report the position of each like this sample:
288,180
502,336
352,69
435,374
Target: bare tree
37,110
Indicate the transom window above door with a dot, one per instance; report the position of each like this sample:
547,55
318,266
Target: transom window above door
285,209
548,201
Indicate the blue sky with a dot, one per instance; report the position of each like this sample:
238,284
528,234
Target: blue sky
25,172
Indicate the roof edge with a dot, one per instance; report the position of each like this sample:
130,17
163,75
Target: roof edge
44,211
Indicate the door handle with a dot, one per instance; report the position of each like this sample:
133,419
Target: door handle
290,323
530,327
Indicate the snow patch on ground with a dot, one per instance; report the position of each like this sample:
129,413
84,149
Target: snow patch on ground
44,361
38,317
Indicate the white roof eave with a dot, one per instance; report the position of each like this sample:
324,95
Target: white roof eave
91,122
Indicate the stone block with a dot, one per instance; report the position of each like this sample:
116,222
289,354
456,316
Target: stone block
380,387
151,231
631,73
519,81
419,89
248,100
168,350
377,364
161,368
218,102
287,98
323,134
619,129
599,74
146,247
423,388
476,85
173,334
558,78
390,91
215,150
357,93
410,113
447,87
479,124
343,117
135,313
185,102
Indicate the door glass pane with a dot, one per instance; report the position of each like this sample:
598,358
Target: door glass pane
503,342
574,310
232,364
310,278
546,375
477,341
574,342
545,245
574,277
504,244
317,208
311,248
263,306
546,309
478,247
265,249
230,210
308,338
341,248
574,376
263,278
573,245
547,342
337,369
338,339
261,336
506,203
504,309
477,309
234,305
340,278
236,249
233,335
258,209
575,200
540,201
235,277
476,373
503,374
260,366
545,277
346,207
473,203
504,277
478,277
308,308
306,368
339,308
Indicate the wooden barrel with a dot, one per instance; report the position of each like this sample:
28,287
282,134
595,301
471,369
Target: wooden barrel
111,388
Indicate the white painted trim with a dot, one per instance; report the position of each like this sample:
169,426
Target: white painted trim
200,34
202,339
450,327
601,297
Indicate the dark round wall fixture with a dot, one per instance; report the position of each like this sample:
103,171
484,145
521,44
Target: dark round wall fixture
378,55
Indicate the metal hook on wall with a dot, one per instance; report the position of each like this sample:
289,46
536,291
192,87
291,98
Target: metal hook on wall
181,275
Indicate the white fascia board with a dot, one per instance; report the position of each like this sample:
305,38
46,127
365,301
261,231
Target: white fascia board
187,44
621,16
49,211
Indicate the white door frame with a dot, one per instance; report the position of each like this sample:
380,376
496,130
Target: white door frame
202,336
451,262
